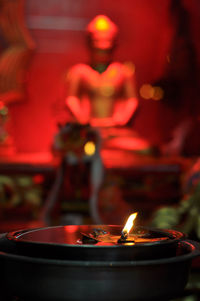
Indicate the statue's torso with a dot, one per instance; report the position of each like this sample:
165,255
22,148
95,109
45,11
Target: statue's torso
101,89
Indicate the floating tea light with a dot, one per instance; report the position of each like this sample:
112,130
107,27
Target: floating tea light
141,235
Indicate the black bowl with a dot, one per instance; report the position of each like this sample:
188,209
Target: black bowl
62,242
32,278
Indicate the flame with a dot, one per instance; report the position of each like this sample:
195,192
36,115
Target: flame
90,148
129,224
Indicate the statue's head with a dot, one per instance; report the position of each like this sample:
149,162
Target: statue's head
102,33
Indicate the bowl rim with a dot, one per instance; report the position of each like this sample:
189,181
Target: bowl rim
193,246
12,237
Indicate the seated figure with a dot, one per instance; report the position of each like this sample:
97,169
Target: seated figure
103,93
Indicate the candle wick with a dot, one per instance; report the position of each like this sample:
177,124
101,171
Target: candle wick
124,234
124,238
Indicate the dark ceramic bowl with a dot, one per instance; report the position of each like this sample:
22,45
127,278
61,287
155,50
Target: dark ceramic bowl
63,243
34,278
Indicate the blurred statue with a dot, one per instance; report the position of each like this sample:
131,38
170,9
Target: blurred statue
16,50
79,176
103,93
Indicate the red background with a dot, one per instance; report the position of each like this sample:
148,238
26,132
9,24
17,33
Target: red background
57,27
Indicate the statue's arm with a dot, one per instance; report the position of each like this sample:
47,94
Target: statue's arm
125,109
78,106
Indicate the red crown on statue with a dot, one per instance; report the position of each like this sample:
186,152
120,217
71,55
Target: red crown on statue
102,32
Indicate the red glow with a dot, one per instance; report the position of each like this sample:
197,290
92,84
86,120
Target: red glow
71,229
1,104
146,32
70,232
102,23
128,143
128,109
102,31
81,112
101,111
38,179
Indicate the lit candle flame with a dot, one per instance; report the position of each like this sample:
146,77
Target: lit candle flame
129,224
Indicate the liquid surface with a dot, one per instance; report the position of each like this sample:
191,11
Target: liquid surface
98,234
